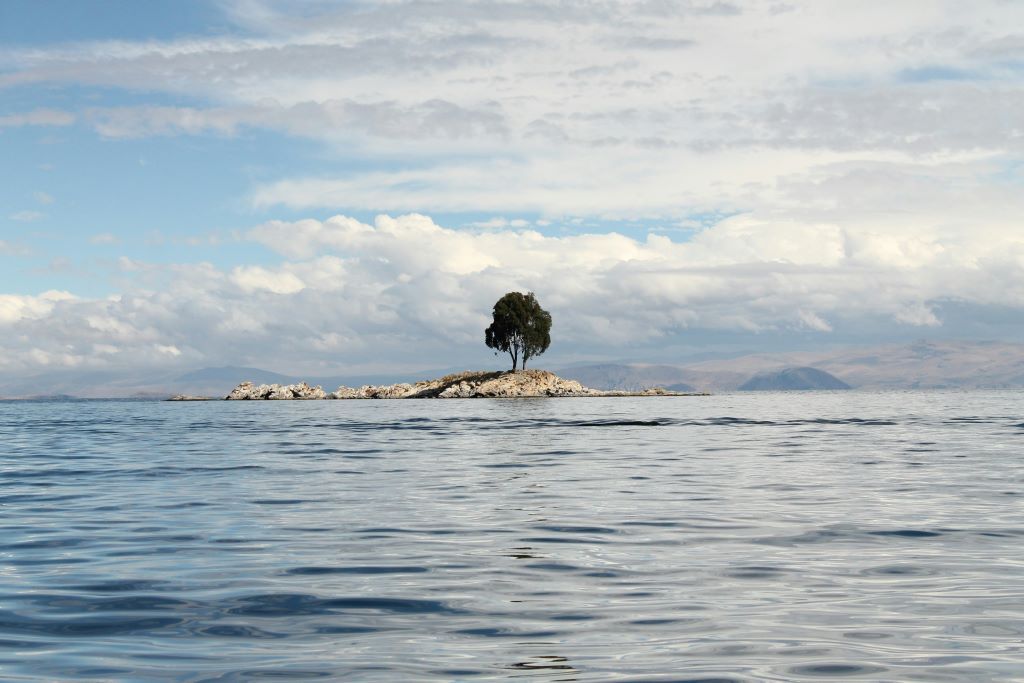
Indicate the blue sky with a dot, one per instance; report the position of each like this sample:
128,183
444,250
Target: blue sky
33,23
177,177
76,199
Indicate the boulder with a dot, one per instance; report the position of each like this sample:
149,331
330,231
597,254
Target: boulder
247,391
460,390
346,392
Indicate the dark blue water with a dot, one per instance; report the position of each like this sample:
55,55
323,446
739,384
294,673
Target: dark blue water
727,538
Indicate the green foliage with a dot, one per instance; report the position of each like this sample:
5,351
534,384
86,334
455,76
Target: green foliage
520,326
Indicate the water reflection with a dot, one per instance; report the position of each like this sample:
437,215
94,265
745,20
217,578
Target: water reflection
546,663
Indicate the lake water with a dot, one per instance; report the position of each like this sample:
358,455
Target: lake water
806,536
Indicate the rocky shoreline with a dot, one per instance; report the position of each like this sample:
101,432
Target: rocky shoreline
508,384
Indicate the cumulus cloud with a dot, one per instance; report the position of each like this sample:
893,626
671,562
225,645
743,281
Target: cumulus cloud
253,278
836,163
14,308
407,292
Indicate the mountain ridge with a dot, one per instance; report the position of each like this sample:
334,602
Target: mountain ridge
794,379
918,365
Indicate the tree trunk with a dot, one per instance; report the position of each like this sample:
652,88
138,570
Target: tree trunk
516,347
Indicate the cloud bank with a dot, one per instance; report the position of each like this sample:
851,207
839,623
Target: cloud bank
811,169
348,295
624,108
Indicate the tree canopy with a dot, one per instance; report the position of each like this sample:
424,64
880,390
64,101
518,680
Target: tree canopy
520,327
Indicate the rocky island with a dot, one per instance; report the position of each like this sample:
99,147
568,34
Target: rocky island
507,384
520,328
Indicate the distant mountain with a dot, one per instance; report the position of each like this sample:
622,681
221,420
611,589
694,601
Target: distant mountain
613,376
793,379
230,376
70,383
640,376
920,365
212,381
56,398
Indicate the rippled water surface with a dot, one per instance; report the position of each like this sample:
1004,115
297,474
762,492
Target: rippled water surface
726,538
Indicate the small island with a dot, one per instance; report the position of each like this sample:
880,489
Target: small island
519,327
504,384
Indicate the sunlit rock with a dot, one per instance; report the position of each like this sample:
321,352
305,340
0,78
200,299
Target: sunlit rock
520,384
247,391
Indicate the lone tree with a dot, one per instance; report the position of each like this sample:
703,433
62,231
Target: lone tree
520,326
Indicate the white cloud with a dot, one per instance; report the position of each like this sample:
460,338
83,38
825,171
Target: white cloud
12,249
349,294
37,117
27,216
341,120
104,238
254,278
865,155
614,109
43,197
167,349
14,308
498,222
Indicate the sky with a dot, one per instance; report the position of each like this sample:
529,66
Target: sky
347,187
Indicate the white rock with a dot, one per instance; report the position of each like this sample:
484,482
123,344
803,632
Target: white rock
524,383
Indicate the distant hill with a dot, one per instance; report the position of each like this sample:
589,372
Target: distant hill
640,376
613,376
212,381
919,365
229,376
793,379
